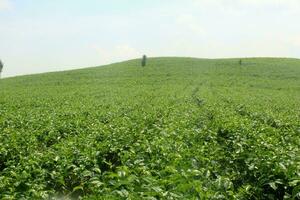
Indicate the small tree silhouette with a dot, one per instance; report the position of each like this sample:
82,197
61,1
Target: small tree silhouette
240,62
1,67
144,61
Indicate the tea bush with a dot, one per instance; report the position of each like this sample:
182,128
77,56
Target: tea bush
181,128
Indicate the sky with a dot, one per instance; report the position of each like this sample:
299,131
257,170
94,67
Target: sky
39,36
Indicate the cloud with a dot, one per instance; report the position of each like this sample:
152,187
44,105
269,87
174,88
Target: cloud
295,41
5,5
286,3
117,53
248,2
190,23
241,6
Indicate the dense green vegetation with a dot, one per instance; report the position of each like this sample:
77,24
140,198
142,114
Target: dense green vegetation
179,128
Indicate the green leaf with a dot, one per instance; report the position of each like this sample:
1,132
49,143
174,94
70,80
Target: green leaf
77,188
273,185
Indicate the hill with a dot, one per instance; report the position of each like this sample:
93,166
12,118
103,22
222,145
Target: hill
179,128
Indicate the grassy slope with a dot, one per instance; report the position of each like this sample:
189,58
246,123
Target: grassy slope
178,128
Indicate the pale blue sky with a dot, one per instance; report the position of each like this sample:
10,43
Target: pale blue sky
50,35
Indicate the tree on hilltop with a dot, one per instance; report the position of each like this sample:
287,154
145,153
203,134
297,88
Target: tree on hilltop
1,67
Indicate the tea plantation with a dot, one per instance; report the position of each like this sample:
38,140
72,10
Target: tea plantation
178,128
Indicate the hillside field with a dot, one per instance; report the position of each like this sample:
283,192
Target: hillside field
179,128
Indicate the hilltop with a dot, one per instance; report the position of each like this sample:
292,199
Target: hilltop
179,128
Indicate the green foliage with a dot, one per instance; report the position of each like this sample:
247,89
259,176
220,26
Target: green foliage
1,67
181,128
